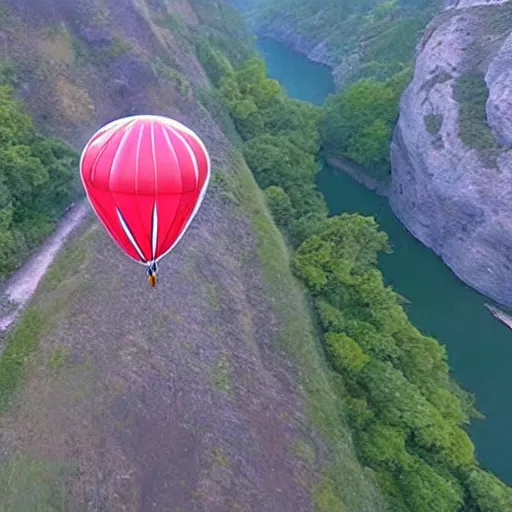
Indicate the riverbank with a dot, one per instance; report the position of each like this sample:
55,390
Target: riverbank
307,80
358,174
500,315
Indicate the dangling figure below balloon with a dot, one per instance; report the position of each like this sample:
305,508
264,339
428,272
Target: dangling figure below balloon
145,177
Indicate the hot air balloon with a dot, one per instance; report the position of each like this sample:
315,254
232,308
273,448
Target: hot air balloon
145,177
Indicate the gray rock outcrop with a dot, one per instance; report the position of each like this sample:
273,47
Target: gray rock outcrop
450,189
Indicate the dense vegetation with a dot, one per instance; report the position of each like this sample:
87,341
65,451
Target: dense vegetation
470,89
37,175
215,38
407,415
374,40
377,34
471,92
359,121
358,124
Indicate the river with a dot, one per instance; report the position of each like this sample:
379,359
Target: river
479,346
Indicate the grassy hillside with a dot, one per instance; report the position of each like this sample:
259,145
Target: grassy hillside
200,380
208,393
78,65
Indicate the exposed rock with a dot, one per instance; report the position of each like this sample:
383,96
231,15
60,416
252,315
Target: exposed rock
499,105
451,196
314,48
462,4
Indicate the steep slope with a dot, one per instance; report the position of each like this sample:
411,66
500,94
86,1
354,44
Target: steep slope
187,397
451,158
409,418
87,62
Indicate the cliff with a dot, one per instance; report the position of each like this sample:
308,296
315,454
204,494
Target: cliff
207,393
451,153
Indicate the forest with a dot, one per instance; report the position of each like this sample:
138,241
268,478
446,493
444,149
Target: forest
373,44
38,181
359,121
408,416
379,35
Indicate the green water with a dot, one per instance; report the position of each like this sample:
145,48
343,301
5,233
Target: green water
299,77
479,347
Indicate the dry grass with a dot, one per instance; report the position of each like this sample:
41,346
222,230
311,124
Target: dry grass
71,97
183,394
156,379
76,105
57,46
343,484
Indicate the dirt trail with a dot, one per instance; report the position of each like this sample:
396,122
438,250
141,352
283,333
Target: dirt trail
20,287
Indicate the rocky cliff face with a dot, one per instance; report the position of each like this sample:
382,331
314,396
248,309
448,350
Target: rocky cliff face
452,153
315,48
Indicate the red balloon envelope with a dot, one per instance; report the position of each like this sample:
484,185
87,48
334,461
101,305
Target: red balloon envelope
145,177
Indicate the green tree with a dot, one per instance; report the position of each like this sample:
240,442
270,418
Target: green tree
280,206
487,493
370,147
307,226
385,446
425,489
380,345
36,182
253,83
276,161
215,63
358,123
348,114
248,90
345,352
349,244
296,120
